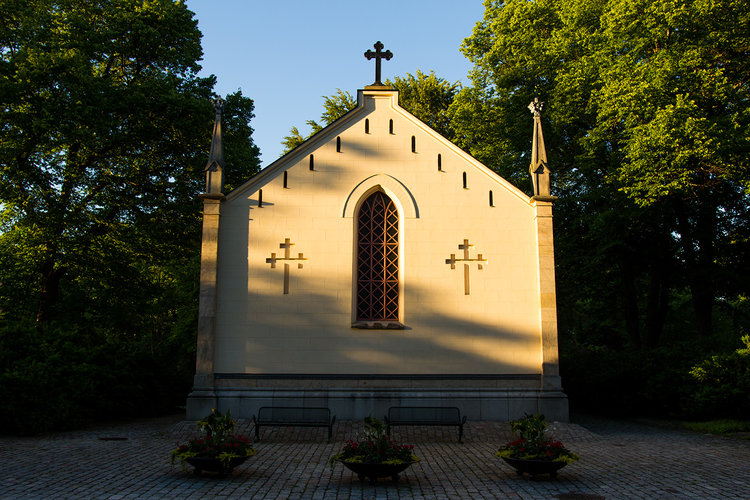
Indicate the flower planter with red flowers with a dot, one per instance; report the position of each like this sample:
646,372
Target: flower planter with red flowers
532,453
374,471
374,455
534,467
216,450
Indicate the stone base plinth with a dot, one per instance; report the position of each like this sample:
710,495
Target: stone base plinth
499,399
200,403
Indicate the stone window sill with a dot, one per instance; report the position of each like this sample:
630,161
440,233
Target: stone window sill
378,325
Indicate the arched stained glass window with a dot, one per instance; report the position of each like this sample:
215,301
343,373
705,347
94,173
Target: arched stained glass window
377,259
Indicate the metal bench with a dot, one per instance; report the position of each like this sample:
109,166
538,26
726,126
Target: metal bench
425,415
293,416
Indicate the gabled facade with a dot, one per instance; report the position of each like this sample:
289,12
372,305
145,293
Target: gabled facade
376,265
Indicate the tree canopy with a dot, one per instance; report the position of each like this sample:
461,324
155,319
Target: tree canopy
425,96
106,130
334,107
646,121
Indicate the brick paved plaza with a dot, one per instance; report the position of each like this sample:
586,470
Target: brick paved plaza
618,461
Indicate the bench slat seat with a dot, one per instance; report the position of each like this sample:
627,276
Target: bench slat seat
425,415
293,416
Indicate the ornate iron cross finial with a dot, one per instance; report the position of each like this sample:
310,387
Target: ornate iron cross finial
535,106
378,55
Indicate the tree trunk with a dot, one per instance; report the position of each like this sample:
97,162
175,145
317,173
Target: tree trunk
697,239
49,289
658,299
630,301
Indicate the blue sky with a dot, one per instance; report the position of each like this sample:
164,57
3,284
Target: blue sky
287,54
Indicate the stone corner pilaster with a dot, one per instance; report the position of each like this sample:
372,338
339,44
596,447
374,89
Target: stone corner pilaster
203,385
547,293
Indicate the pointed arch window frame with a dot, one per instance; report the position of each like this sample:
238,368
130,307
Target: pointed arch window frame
378,267
351,209
408,209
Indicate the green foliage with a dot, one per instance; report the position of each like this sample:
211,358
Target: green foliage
241,155
654,382
216,425
641,100
645,119
215,441
292,140
60,377
720,427
688,140
531,443
334,107
427,97
105,136
529,428
724,384
374,447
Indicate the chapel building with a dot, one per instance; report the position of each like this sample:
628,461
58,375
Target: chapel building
377,265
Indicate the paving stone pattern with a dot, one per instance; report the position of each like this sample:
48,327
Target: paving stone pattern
618,461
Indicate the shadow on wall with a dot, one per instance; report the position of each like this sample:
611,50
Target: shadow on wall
309,331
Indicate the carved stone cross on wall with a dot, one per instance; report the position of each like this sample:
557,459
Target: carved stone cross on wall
287,246
452,261
378,55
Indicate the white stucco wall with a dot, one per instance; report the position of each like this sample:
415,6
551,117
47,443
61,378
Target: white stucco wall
494,330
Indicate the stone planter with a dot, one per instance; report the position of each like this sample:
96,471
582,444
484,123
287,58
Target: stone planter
213,464
535,467
375,471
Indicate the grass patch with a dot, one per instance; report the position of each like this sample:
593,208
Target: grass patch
721,427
